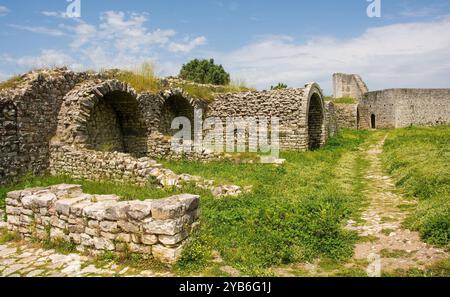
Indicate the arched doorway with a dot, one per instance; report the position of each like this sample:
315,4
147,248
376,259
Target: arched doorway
315,122
115,124
175,106
373,123
357,118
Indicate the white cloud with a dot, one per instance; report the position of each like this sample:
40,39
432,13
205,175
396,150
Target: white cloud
400,55
47,58
39,30
121,40
4,10
188,45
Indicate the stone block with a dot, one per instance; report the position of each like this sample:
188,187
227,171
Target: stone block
169,240
139,210
63,206
108,226
103,244
165,227
128,227
165,254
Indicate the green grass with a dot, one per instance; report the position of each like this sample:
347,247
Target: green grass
419,160
6,236
125,191
141,79
345,100
11,83
144,79
439,269
294,213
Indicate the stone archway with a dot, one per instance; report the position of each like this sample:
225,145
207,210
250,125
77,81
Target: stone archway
316,119
173,107
103,116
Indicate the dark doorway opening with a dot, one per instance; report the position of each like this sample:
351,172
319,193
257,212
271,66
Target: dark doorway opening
373,122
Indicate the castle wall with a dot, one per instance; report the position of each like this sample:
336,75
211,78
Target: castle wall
397,108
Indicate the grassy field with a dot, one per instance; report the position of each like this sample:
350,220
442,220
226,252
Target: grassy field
419,160
296,212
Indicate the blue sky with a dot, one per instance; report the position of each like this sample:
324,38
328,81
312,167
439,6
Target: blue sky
259,42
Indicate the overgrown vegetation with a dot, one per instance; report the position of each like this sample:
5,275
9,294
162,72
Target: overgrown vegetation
11,83
141,79
419,160
295,212
204,72
280,86
345,100
144,79
125,191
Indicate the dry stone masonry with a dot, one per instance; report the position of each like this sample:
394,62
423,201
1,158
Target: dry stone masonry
346,115
301,113
99,223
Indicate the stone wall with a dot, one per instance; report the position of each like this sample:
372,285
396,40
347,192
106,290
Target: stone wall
291,106
346,115
397,108
348,86
81,163
332,126
99,223
28,120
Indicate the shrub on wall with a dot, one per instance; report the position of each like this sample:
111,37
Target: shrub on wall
205,72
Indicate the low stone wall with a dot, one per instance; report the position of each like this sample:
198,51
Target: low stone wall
346,115
99,223
80,163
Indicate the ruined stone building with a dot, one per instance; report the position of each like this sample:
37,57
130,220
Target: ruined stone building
348,86
89,126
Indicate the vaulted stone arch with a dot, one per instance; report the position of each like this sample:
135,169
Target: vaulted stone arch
103,116
315,117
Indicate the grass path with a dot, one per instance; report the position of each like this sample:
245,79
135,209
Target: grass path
394,247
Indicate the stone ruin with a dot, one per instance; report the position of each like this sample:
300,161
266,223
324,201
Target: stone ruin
89,126
391,108
54,112
99,223
348,86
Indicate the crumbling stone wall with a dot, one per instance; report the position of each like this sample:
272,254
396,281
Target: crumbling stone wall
331,122
99,223
346,115
397,108
301,123
348,86
103,114
28,120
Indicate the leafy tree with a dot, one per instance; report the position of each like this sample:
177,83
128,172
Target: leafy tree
205,72
280,86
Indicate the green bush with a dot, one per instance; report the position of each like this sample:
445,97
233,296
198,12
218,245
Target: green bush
205,72
280,86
